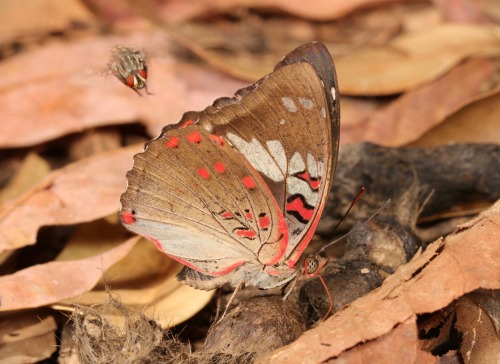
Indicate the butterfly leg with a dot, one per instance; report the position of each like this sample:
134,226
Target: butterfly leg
236,290
290,287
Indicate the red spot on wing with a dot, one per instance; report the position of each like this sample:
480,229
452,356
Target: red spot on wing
250,234
282,241
143,73
173,142
194,137
203,173
248,182
217,139
128,218
227,215
272,271
186,123
314,183
297,205
264,222
220,167
249,216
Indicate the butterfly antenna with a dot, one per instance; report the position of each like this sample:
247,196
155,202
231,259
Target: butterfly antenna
354,202
355,228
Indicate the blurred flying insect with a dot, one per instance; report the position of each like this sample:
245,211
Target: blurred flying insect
129,66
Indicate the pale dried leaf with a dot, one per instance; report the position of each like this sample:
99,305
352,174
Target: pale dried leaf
31,171
413,58
80,192
475,123
419,110
27,338
51,282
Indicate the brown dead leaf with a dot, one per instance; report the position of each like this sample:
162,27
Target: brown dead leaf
461,11
413,58
60,86
24,18
178,11
51,282
449,268
32,170
416,112
401,342
27,338
80,192
478,319
475,123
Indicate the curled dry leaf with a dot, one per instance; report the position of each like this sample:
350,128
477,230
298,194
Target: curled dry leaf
27,338
39,17
32,170
80,192
475,123
50,87
478,319
413,58
449,268
51,282
416,112
144,280
178,11
401,342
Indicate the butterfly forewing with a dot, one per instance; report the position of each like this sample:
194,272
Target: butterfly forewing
283,126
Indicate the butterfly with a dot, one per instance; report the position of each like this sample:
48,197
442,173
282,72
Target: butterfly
235,192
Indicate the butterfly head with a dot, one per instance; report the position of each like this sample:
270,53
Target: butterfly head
313,264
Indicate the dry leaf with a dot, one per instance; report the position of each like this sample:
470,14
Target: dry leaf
80,192
413,58
175,11
478,319
24,18
398,344
419,110
475,123
27,338
61,87
51,282
32,170
449,268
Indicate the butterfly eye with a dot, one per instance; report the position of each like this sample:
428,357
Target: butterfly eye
311,265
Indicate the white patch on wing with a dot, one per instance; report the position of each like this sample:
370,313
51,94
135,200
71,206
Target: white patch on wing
321,168
282,122
208,127
307,103
312,166
334,93
258,156
278,154
323,112
296,185
289,104
296,164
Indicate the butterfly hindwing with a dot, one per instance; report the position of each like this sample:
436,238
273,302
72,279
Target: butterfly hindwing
202,203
